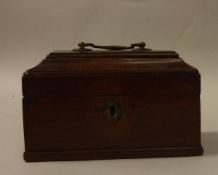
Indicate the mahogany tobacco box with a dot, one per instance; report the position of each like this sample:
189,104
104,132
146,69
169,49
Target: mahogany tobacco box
120,102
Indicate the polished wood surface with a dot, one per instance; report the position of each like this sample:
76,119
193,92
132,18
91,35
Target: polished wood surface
157,93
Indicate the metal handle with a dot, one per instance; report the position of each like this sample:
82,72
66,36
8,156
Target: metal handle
83,45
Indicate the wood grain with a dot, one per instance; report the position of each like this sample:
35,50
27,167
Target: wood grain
64,107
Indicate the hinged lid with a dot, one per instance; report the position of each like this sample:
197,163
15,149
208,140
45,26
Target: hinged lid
133,58
119,71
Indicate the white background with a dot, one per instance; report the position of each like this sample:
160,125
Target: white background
29,30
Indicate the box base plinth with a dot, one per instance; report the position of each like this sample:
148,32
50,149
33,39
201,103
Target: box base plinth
101,154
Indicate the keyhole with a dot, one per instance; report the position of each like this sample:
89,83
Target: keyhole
112,110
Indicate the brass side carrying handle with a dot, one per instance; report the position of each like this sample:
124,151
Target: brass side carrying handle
83,45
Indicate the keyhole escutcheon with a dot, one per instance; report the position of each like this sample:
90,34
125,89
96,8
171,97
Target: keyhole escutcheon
112,110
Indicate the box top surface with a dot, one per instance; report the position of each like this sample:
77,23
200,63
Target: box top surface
85,60
84,72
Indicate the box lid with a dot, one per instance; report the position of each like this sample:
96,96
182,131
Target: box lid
118,71
133,58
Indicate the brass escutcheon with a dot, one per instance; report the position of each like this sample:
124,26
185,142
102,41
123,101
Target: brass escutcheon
112,110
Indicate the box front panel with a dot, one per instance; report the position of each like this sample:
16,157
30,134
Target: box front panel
108,122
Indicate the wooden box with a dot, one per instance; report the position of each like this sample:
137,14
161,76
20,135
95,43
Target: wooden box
125,102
